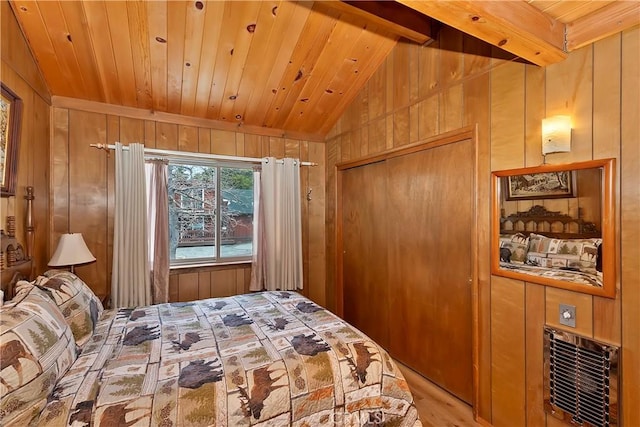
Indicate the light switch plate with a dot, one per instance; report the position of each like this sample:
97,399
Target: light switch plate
567,315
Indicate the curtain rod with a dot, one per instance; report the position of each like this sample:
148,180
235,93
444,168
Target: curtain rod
192,155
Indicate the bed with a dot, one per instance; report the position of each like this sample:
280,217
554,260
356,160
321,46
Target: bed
263,359
572,252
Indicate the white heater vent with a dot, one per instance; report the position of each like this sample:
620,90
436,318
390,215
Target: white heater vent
581,379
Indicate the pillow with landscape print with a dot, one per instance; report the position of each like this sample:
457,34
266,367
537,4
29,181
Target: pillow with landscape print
538,249
573,254
513,248
77,302
36,349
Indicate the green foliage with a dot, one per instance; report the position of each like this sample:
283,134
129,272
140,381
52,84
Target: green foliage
43,340
272,312
191,172
193,326
243,330
259,354
83,328
567,250
324,373
205,399
203,394
194,196
348,332
130,385
239,179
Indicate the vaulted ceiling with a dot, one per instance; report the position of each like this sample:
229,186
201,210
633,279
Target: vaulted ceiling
293,66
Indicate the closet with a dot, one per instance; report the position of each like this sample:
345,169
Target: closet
405,255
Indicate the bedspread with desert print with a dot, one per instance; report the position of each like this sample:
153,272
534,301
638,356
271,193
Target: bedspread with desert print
264,359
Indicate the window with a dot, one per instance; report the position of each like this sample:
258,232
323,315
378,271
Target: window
210,213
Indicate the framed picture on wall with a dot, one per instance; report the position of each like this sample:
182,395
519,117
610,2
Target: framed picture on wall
10,115
546,185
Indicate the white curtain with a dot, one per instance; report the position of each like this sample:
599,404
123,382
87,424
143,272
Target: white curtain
258,262
157,180
280,204
130,281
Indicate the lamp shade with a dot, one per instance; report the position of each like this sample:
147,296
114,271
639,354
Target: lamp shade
556,134
71,250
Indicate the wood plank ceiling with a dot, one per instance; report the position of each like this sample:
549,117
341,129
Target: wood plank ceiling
279,64
286,65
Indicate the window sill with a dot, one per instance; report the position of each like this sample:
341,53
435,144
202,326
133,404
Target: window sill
188,268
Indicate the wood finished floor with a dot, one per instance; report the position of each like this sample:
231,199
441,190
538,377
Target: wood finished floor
436,407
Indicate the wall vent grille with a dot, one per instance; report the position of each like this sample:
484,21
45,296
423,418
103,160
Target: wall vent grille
581,379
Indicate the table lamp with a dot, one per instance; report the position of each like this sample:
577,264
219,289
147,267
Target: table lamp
71,250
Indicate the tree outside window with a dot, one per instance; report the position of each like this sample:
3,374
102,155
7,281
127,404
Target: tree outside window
210,213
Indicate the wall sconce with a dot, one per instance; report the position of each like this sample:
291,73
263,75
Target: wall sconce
556,134
71,250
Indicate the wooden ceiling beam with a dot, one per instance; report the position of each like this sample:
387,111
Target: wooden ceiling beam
514,26
611,19
393,17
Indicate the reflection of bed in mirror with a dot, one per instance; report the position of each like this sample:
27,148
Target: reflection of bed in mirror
551,244
559,232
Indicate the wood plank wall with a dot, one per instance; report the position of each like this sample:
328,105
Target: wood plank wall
423,91
417,93
82,189
21,74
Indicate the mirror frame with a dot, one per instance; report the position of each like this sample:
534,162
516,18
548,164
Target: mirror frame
609,253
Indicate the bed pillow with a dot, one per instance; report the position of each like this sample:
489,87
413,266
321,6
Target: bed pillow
538,248
576,254
513,248
573,254
36,349
79,305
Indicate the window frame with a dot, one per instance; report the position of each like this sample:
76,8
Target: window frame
217,259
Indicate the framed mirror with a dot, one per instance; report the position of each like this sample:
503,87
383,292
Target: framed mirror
555,225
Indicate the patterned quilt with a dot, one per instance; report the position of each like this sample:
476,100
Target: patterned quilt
264,359
557,274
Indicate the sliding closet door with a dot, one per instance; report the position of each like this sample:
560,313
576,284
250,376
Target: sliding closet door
364,250
429,225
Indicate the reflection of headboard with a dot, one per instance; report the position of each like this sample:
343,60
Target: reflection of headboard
540,220
18,265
